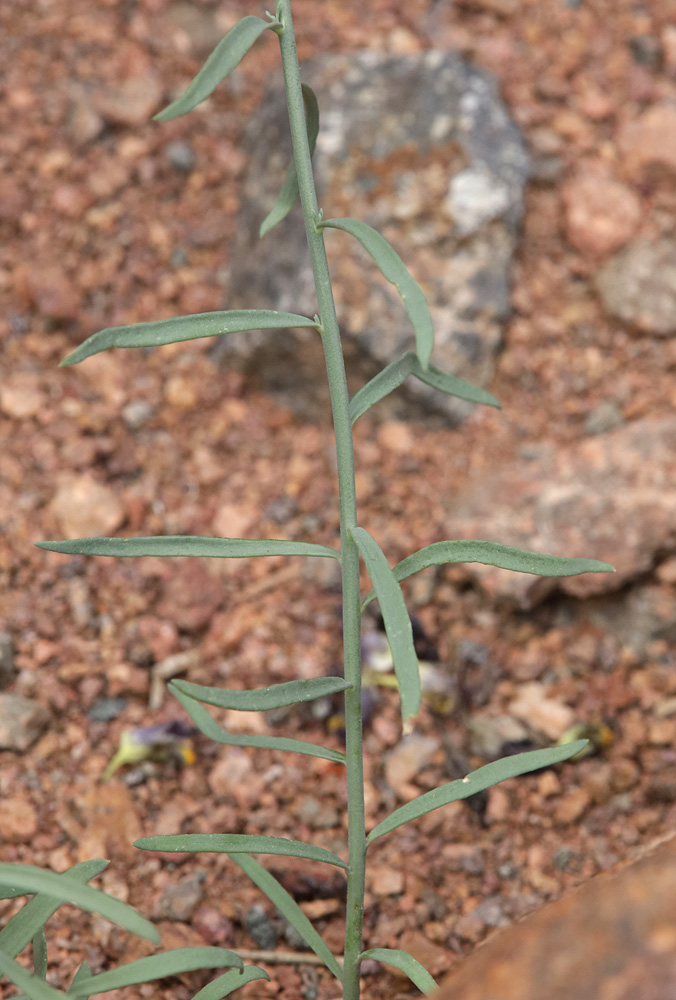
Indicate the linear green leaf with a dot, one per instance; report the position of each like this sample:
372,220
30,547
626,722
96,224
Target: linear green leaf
200,716
169,963
396,620
263,699
184,328
32,986
391,377
40,954
289,193
83,973
289,908
23,926
226,984
393,268
493,554
228,53
67,889
476,781
406,963
188,545
238,843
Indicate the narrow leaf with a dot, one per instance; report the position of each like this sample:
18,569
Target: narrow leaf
263,699
493,554
289,193
188,545
211,728
476,781
406,963
25,924
184,328
169,963
392,267
238,843
40,954
33,987
290,909
226,984
391,377
67,889
83,973
396,620
228,53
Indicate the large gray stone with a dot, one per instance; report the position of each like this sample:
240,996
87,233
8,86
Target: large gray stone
421,148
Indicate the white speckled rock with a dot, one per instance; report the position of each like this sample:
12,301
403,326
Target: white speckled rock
421,148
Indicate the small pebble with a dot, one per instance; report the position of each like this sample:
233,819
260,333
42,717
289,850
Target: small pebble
135,413
260,928
107,709
180,155
566,860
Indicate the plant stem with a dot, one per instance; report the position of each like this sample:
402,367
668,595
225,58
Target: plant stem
335,367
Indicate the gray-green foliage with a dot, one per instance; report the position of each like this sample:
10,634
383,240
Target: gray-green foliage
50,890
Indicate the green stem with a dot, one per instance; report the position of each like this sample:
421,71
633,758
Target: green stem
335,367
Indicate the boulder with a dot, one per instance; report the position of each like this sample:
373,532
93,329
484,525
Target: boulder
608,497
421,148
613,937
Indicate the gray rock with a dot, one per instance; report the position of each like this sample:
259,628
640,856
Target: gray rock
179,901
608,497
606,417
6,660
180,155
261,928
136,412
107,709
638,286
22,721
421,148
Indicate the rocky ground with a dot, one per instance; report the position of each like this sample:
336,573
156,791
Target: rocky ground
106,219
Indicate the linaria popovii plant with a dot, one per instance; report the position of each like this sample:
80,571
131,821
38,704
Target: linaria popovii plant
355,543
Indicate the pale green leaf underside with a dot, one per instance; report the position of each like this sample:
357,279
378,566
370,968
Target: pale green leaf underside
226,984
203,720
289,908
188,545
393,268
32,986
169,963
21,929
476,781
67,889
263,699
228,53
289,193
40,954
390,378
493,554
238,843
396,620
184,328
406,963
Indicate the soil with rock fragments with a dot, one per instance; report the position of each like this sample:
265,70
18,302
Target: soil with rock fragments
106,219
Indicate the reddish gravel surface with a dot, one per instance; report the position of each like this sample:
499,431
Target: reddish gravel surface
99,228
